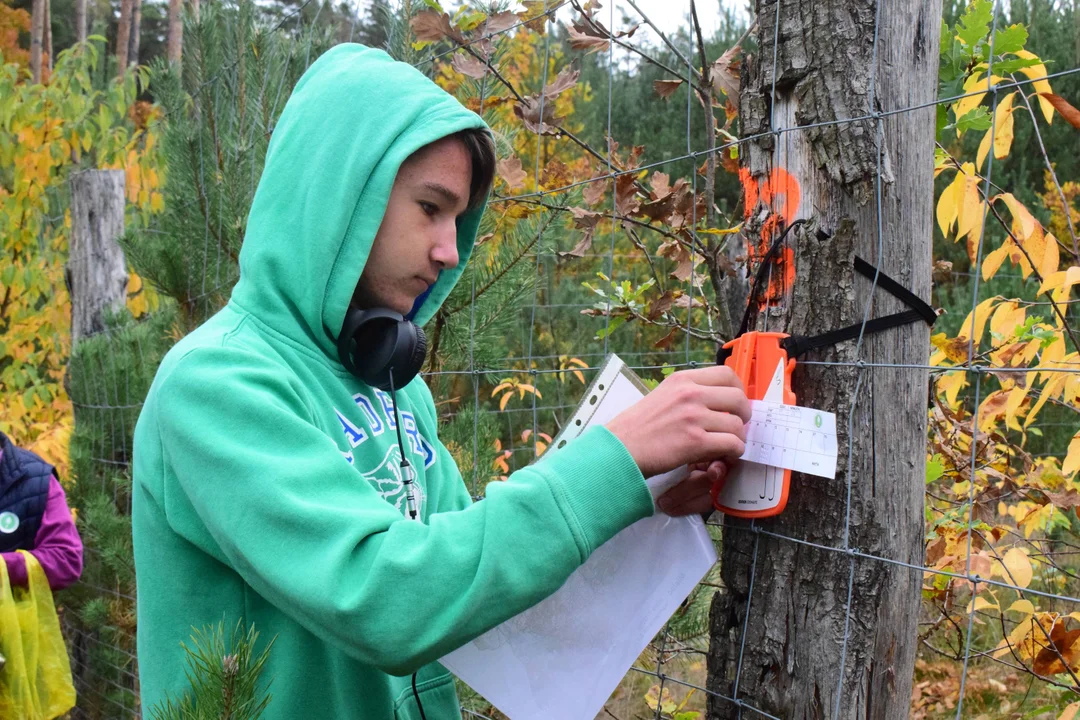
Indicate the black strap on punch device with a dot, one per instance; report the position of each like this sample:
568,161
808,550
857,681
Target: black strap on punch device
797,345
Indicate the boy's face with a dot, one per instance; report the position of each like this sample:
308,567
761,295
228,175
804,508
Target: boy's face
418,234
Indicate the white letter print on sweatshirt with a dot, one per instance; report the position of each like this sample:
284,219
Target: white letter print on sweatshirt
386,476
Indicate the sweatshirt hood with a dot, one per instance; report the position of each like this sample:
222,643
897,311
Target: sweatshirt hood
351,121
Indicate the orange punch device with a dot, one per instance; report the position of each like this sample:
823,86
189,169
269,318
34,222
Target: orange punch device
751,490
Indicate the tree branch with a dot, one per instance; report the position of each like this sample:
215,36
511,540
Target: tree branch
663,37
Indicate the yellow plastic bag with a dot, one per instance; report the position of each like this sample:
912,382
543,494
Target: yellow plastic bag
35,682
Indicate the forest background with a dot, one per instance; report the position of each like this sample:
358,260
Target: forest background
649,266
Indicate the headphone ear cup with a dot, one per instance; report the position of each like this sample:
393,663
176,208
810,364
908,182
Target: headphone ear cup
419,350
374,342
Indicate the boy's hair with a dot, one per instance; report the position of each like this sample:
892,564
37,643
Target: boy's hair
481,148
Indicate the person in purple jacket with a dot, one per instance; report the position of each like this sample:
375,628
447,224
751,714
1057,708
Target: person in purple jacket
34,516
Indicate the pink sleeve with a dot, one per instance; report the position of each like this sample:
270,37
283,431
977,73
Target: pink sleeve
57,545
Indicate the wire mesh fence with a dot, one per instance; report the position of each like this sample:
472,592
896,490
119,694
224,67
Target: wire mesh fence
550,349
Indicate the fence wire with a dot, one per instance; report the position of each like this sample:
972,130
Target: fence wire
104,659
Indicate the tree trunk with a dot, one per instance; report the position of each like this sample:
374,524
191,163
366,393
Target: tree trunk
48,38
97,271
176,31
809,652
80,21
37,26
136,23
123,36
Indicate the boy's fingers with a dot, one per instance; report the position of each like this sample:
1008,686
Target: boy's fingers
729,400
691,506
719,375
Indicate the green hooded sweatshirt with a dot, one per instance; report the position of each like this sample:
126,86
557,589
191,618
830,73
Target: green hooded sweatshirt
267,486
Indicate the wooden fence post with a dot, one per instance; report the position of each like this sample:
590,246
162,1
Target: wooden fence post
97,271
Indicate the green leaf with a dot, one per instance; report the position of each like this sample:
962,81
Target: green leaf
935,468
1007,67
975,119
974,24
1009,40
613,325
688,715
954,57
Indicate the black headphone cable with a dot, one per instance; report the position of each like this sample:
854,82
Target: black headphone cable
410,502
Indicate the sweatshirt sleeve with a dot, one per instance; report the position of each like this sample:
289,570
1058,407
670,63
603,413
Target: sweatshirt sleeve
57,546
291,516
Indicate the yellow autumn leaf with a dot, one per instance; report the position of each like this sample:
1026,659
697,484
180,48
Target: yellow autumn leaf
720,231
1060,280
1023,606
981,603
1072,389
982,312
952,383
1072,457
1001,131
1008,316
136,296
947,204
955,349
1023,221
1019,640
1033,252
969,212
992,261
1038,74
1018,567
976,81
1054,385
1012,406
1069,713
990,409
1051,256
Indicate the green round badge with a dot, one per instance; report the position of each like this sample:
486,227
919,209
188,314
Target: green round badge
817,420
9,522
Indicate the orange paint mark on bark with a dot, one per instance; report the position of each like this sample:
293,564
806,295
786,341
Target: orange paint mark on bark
779,193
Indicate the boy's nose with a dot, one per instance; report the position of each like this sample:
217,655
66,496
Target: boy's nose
445,252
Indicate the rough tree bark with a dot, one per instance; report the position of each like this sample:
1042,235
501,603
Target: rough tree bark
97,272
123,36
80,21
136,29
37,27
825,71
176,31
47,37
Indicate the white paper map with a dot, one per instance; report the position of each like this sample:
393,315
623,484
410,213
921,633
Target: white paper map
564,657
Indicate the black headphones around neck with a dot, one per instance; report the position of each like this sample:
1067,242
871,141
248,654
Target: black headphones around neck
374,343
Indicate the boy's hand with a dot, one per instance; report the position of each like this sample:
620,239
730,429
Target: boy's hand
692,496
692,417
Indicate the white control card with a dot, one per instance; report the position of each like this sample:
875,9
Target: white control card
779,436
791,437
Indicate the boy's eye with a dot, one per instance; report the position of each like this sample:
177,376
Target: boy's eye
428,208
